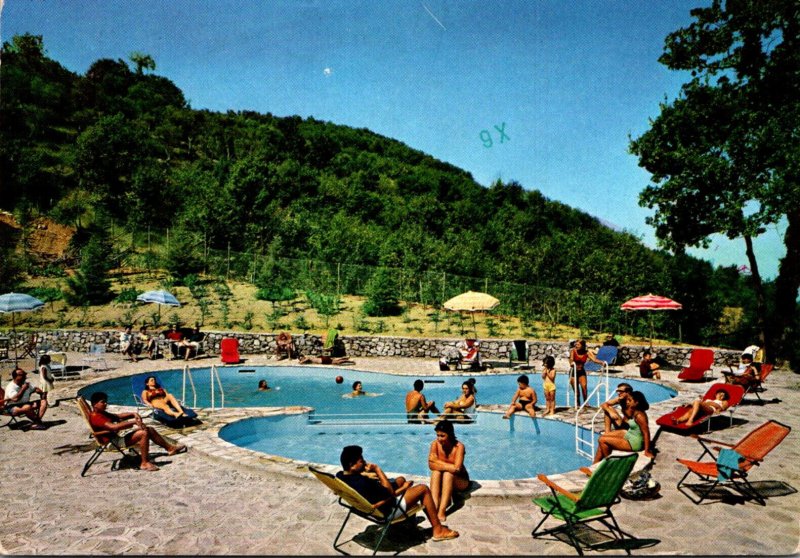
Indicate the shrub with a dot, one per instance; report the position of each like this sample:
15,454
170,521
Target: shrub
381,291
128,295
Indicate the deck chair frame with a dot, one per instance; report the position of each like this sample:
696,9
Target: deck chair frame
588,505
738,480
606,353
356,504
756,386
116,443
97,354
701,361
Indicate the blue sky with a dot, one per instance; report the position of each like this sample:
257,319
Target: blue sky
544,92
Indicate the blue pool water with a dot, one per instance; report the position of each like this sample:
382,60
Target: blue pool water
497,449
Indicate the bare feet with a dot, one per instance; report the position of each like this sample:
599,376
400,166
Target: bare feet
148,467
180,448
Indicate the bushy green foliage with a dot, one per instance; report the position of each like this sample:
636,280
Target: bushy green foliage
90,284
46,294
381,291
128,295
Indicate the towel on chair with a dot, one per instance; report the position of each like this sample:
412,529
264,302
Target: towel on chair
727,462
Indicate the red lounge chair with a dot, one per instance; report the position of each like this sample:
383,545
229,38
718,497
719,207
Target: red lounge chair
735,394
752,449
229,350
470,356
700,362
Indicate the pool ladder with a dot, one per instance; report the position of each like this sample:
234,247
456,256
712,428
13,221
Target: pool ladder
187,376
584,438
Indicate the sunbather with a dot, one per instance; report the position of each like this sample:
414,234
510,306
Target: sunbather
101,419
612,420
446,462
156,396
707,406
462,408
635,438
384,494
324,360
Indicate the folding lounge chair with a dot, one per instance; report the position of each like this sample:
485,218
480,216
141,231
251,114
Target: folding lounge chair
356,504
519,357
229,350
137,386
733,462
470,355
606,353
756,386
593,503
700,362
97,355
735,395
104,440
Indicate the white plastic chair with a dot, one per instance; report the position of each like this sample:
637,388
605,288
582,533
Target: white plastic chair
97,355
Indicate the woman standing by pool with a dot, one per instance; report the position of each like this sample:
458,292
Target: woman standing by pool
578,357
446,462
635,438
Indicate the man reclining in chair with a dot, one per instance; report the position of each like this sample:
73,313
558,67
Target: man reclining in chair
141,435
384,494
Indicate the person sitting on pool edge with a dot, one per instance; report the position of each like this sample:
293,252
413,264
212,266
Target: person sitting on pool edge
524,398
416,406
101,419
612,420
392,499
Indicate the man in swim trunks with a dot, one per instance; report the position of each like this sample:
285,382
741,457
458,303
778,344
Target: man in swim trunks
392,499
613,420
416,406
18,399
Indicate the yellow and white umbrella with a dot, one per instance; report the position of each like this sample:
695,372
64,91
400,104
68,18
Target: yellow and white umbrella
471,302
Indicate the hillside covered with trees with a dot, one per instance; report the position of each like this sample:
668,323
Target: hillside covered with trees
119,147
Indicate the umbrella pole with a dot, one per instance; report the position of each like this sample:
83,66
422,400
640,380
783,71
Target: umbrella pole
16,345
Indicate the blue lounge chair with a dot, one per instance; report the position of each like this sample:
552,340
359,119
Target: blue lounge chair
606,353
137,386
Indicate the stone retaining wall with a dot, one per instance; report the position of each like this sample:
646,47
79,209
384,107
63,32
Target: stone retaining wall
363,345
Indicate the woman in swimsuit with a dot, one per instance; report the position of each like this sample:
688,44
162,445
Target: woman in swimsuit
462,408
549,384
156,396
524,398
635,438
446,462
578,357
707,406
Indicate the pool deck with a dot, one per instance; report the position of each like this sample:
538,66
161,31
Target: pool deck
221,499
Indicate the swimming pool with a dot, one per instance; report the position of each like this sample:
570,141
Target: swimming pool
315,387
497,449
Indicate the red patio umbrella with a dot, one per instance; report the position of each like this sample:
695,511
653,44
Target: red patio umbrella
651,303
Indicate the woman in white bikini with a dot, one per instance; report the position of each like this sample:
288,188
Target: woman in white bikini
707,406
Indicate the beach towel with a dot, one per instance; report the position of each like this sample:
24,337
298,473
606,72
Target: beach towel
727,462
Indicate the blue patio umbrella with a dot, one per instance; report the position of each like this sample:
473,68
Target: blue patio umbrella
18,302
159,297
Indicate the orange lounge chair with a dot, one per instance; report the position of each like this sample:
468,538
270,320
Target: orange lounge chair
700,362
735,395
746,453
756,386
470,355
229,350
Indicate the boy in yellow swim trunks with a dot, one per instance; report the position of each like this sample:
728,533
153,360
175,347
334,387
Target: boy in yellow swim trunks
549,384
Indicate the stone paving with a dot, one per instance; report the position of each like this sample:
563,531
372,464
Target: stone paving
220,499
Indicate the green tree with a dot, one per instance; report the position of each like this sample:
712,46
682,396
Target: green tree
142,61
381,291
724,155
90,284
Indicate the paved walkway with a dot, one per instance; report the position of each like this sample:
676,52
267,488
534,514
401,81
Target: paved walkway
218,499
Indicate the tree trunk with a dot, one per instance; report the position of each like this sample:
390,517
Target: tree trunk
786,289
764,335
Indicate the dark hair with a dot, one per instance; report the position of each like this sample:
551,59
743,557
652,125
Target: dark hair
418,385
523,379
44,359
644,354
625,386
727,395
350,454
549,361
355,384
747,356
262,383
472,382
447,427
16,372
469,387
641,400
158,384
98,396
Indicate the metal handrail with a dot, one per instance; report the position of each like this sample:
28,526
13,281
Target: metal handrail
187,373
215,375
603,383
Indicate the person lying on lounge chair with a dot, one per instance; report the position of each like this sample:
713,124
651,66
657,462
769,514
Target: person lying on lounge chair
159,398
141,435
385,494
324,360
706,406
18,399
